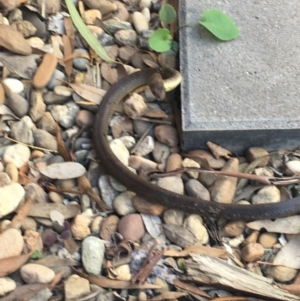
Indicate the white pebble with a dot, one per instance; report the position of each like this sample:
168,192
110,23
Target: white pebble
14,85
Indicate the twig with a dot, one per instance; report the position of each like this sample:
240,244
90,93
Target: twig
29,145
146,269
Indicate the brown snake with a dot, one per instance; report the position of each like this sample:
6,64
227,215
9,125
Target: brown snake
159,195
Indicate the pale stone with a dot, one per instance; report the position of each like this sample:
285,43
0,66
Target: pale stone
36,273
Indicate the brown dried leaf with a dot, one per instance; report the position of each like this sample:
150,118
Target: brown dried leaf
85,186
218,151
121,71
52,261
56,279
288,225
70,32
67,51
190,288
44,210
214,252
116,284
25,292
22,213
61,146
24,66
23,171
11,264
89,93
179,235
289,255
168,296
109,73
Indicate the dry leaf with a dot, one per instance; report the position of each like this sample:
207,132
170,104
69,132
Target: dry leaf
56,279
69,28
109,73
7,114
11,264
218,151
289,255
67,51
214,252
24,66
44,209
61,147
288,225
153,224
85,186
179,235
116,284
23,171
25,292
190,288
90,93
53,261
63,170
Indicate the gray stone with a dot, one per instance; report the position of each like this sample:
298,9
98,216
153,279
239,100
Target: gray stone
65,114
22,130
113,25
56,79
44,139
81,63
244,92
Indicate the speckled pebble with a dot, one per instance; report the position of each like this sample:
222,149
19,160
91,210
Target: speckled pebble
56,79
93,254
18,154
80,227
126,37
123,203
145,147
108,193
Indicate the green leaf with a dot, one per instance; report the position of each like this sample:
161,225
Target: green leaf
86,33
167,14
160,40
219,24
37,255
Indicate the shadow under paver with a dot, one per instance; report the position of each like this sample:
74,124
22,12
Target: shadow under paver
244,92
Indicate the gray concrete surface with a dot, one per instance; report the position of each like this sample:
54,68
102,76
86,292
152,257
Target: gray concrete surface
244,92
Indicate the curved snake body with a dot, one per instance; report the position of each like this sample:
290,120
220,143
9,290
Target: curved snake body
154,193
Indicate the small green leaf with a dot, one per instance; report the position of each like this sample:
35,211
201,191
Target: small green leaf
160,40
86,33
219,24
167,14
37,255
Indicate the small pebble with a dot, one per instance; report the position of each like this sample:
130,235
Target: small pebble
11,242
268,194
254,153
174,217
56,79
131,227
14,85
120,151
76,287
81,63
92,261
18,154
6,285
126,37
267,240
166,134
281,273
123,203
191,163
252,252
194,223
195,189
80,227
108,193
140,22
174,184
233,229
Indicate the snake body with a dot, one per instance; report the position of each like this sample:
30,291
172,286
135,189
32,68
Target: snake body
156,194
